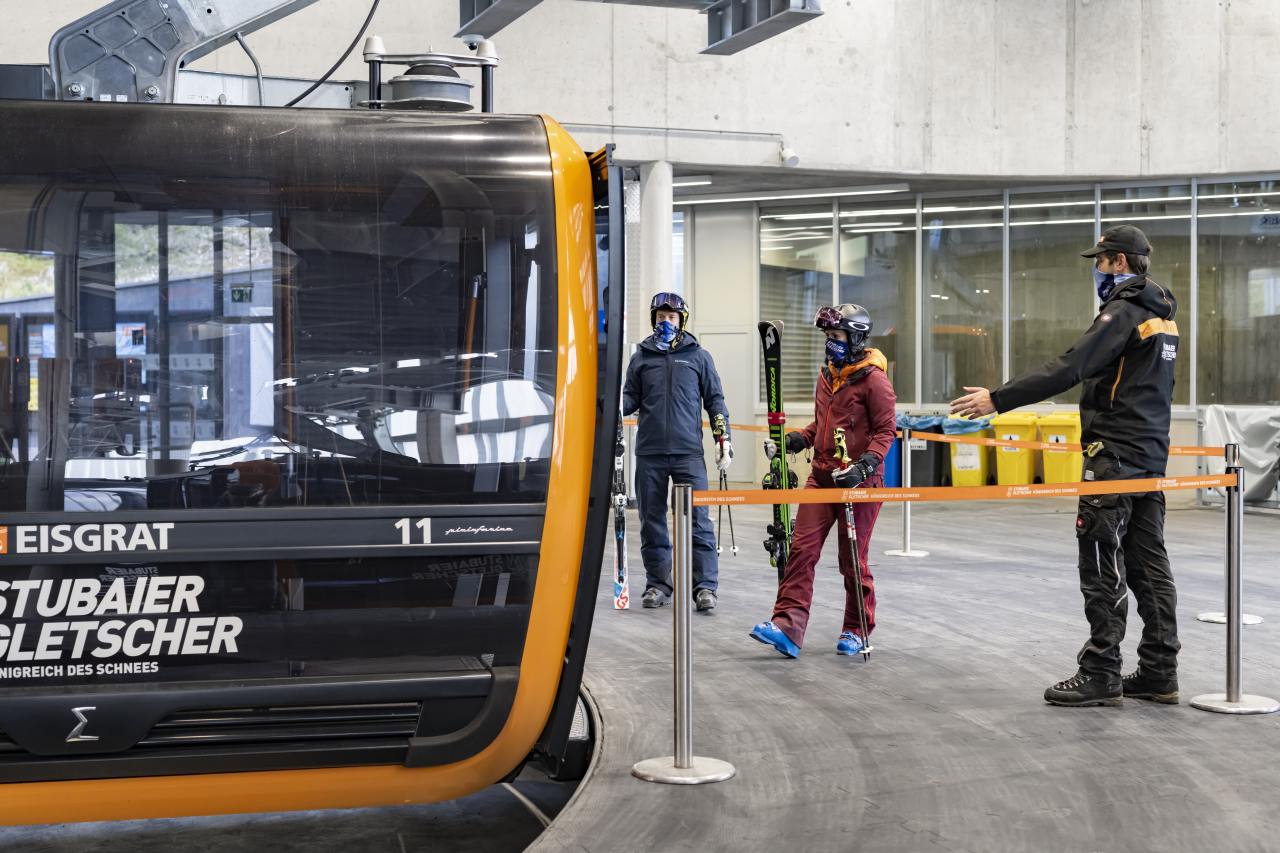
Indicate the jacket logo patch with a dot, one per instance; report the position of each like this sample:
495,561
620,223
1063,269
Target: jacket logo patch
1106,318
1169,352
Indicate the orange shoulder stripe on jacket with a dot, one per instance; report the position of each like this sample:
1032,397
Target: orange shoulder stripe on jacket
1157,326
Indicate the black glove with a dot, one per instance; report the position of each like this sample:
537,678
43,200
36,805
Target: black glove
795,442
856,474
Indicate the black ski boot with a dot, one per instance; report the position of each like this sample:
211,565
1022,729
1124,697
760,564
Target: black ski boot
1138,685
1084,689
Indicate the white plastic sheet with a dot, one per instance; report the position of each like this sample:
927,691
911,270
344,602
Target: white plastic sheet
1257,430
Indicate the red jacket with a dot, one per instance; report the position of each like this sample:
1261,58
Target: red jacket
860,398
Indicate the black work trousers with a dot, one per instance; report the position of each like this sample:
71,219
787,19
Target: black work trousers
1121,550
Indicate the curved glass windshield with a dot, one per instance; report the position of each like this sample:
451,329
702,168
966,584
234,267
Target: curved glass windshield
346,309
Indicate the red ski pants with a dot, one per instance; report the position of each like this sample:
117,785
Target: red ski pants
795,593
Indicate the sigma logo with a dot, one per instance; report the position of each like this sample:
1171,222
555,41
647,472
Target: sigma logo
77,734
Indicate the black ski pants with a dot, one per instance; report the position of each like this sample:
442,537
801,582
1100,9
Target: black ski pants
1121,541
652,475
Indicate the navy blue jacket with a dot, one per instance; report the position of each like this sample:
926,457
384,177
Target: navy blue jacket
670,389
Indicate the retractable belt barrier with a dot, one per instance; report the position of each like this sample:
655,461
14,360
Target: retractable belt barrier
953,493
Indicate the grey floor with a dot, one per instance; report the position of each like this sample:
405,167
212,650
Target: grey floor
942,741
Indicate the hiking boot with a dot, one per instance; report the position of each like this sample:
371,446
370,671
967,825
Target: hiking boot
771,635
1084,689
705,599
848,644
1139,686
654,597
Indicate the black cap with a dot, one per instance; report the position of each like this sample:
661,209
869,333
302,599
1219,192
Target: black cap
1121,238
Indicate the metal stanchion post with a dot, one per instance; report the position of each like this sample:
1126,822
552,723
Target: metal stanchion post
906,550
683,768
1233,701
1217,617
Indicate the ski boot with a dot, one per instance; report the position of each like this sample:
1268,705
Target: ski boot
848,644
771,635
1085,688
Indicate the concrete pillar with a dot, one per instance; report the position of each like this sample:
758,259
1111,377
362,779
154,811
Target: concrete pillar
655,243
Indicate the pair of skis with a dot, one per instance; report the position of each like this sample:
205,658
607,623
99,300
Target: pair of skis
779,476
621,589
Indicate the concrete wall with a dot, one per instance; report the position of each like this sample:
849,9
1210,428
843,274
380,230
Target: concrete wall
1082,88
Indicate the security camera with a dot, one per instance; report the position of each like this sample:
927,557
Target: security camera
788,156
481,46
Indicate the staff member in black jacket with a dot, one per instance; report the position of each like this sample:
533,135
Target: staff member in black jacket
670,380
1126,360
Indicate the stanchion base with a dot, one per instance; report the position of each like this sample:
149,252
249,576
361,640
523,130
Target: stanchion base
701,770
1217,702
898,552
1221,618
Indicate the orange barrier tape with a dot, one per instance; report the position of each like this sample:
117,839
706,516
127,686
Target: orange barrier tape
955,493
1045,445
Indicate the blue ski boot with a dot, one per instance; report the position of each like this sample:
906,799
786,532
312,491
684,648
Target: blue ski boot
771,635
848,644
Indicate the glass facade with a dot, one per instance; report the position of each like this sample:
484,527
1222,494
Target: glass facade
878,272
1238,344
797,255
963,298
1051,295
975,288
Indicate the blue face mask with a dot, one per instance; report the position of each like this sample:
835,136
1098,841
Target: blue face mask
1106,282
665,331
837,351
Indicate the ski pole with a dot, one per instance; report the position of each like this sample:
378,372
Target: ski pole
851,530
717,433
733,540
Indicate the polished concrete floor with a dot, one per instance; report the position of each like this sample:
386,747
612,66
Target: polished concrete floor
942,741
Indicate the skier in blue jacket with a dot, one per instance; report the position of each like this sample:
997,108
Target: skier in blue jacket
671,379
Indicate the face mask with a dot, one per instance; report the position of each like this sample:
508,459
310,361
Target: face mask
665,331
1105,282
837,351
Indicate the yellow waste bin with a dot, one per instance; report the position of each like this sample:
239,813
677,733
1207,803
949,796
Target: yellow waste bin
1061,466
971,463
1015,466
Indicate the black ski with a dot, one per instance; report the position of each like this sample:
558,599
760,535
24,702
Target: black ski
780,476
621,589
